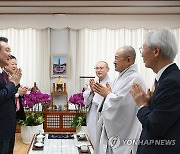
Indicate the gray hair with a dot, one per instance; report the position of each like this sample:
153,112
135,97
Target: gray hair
163,39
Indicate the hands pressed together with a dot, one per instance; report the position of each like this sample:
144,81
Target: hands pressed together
22,90
140,97
16,76
91,83
100,89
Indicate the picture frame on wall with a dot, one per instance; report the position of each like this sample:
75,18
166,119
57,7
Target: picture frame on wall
59,65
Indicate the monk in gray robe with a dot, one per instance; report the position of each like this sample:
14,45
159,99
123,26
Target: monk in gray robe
92,99
118,128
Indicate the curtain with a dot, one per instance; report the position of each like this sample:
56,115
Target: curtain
74,84
31,47
85,47
97,45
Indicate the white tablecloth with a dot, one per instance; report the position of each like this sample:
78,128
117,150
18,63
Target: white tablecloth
60,146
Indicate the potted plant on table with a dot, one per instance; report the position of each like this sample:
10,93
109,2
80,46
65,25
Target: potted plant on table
33,102
79,121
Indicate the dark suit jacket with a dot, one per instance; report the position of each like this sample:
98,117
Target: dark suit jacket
7,109
161,119
20,114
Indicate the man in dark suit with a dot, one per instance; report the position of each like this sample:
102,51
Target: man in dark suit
7,101
159,113
10,68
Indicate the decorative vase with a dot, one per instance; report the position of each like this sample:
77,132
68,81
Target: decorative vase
27,132
82,129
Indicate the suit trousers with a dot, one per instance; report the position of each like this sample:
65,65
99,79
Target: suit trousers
7,146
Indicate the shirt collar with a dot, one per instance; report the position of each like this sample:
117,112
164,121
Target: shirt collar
133,66
1,70
161,71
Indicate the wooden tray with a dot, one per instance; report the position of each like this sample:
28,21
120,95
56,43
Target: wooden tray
37,148
35,141
84,152
81,139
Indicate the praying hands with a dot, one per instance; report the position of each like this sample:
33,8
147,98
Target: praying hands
16,76
101,90
140,97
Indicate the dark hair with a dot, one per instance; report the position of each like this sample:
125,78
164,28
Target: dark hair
3,39
12,57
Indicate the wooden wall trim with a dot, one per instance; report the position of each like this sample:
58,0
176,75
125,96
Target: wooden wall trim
102,6
86,0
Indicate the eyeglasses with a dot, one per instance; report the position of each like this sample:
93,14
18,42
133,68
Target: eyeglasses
141,49
99,68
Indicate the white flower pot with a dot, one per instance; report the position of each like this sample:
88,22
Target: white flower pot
27,132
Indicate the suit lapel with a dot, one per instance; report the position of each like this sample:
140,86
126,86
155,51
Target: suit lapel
164,74
167,71
1,80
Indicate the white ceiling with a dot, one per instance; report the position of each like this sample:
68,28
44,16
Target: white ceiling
91,7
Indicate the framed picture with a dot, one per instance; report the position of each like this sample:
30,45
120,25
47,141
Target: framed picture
59,65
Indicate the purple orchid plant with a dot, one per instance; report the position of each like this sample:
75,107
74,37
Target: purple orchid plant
80,118
30,101
35,97
77,98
